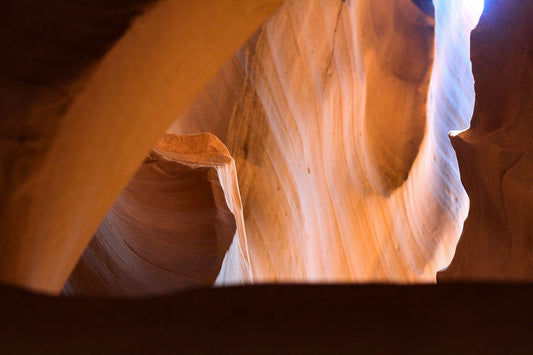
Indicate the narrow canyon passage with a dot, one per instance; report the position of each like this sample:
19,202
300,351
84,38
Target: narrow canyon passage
360,172
338,124
345,168
333,119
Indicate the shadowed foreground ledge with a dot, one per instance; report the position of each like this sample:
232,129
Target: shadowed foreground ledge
431,319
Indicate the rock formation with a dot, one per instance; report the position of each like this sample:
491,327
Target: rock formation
345,174
171,227
495,154
332,124
319,152
271,79
83,101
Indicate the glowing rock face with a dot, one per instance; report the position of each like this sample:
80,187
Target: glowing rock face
345,175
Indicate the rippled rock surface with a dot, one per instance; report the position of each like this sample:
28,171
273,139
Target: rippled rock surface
171,227
345,168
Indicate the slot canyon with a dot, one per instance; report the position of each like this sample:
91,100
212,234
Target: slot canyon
266,176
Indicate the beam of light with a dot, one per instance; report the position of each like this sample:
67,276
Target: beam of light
451,97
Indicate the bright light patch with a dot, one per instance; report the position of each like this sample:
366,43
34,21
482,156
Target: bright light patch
473,8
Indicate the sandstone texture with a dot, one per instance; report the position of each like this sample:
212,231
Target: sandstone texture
171,227
345,168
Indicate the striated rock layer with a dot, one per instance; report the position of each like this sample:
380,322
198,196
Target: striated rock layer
345,171
495,154
171,227
78,118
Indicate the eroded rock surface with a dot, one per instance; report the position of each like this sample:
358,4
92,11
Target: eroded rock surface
171,227
345,174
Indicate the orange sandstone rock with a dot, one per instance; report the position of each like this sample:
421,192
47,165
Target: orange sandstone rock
171,227
345,173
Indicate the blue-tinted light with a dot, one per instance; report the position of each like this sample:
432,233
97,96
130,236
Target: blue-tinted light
474,7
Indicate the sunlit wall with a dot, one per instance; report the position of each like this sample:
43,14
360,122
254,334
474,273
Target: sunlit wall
451,97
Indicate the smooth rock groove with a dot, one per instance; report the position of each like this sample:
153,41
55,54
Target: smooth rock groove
346,173
171,227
